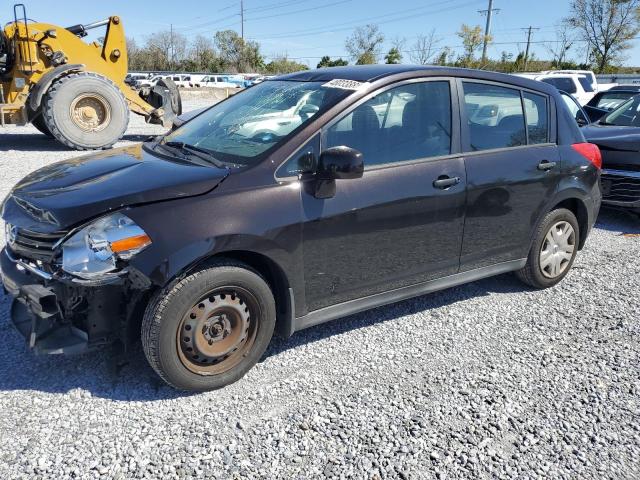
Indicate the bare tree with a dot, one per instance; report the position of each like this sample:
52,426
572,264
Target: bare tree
559,49
606,26
170,45
424,48
364,44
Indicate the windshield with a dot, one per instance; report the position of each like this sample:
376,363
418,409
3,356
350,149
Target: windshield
626,115
612,100
243,129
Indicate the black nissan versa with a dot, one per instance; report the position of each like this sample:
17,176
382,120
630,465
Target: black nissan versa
303,199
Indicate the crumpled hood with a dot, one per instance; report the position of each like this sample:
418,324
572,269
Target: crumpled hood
64,194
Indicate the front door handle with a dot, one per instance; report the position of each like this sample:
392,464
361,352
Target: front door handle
546,165
444,181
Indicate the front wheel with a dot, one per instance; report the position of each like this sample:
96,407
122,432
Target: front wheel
208,329
553,251
85,111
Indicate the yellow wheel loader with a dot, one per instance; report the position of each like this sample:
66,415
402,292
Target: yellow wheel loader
71,90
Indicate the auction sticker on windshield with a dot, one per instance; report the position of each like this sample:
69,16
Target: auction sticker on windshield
345,84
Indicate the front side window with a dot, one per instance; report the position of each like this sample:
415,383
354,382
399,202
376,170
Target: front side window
243,129
404,123
494,115
535,107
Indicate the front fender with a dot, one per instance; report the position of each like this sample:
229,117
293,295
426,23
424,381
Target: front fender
37,93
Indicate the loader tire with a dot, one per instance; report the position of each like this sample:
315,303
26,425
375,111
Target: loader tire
38,122
85,111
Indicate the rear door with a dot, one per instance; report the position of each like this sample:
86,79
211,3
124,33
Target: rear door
401,223
512,166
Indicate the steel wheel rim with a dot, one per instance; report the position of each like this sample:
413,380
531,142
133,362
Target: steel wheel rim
557,249
90,112
218,331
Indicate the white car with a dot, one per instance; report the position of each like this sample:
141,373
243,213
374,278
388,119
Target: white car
578,85
149,82
182,81
215,81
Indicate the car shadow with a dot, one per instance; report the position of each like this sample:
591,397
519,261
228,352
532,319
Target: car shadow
620,221
99,375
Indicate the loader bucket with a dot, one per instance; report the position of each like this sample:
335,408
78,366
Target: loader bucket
165,98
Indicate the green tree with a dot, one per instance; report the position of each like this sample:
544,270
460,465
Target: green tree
472,39
607,26
236,54
282,65
327,62
364,44
394,56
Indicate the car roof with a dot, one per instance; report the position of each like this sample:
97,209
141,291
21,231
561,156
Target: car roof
372,73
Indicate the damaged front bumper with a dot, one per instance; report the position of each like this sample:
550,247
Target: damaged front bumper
58,315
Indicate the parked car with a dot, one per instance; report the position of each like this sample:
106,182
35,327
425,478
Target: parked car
216,81
617,134
611,99
580,86
150,82
238,231
182,81
131,79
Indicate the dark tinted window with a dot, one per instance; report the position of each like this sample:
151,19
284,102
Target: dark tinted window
564,84
494,115
586,84
535,108
405,123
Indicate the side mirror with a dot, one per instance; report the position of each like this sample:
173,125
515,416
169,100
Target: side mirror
308,110
340,163
337,163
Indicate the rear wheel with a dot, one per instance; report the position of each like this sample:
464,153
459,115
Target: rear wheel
85,111
554,250
207,330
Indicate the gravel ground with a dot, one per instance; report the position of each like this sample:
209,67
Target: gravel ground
487,380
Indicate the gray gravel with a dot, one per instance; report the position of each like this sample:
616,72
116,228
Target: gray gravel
487,380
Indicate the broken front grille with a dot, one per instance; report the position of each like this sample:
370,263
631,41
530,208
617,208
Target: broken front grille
34,245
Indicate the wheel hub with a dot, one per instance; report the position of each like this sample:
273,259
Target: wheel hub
557,249
90,112
213,331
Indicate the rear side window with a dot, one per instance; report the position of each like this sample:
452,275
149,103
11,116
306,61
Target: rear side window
408,122
563,83
495,116
535,109
586,84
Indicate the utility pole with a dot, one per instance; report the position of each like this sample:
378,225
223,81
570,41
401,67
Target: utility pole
526,53
487,31
171,53
242,19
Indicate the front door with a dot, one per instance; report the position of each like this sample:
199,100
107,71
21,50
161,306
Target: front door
513,167
401,223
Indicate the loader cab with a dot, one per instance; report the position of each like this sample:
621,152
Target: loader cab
6,55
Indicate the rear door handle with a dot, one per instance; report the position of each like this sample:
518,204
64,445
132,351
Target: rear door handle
546,165
444,181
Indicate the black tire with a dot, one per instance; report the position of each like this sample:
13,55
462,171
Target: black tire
164,320
85,87
532,273
37,121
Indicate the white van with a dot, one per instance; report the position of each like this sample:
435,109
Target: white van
216,81
578,85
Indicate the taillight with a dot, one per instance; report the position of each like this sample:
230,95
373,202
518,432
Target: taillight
589,151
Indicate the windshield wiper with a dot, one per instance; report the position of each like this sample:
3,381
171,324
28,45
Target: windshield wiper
196,151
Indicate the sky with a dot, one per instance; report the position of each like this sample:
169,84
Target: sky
305,30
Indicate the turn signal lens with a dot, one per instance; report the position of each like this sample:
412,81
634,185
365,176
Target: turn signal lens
131,243
589,151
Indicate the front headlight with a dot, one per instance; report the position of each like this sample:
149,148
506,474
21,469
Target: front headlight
95,249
